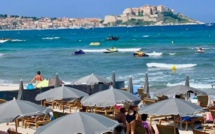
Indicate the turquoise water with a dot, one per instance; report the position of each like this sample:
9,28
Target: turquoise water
50,52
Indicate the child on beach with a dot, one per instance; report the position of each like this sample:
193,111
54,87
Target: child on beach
38,78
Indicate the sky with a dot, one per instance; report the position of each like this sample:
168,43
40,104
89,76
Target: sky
201,10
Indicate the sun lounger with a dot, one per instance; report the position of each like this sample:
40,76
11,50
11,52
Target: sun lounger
2,101
104,110
37,121
52,103
203,100
162,129
198,132
12,132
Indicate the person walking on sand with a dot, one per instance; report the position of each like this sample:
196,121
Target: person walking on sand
38,78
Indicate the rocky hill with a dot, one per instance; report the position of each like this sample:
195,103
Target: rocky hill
148,15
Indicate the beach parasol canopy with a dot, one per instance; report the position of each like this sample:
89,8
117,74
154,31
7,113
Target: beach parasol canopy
179,89
187,82
60,93
113,79
146,85
130,85
15,108
91,80
108,97
79,122
173,106
21,88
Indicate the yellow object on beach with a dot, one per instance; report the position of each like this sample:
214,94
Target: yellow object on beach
43,83
173,67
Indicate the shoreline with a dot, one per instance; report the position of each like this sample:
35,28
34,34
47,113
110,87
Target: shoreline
66,28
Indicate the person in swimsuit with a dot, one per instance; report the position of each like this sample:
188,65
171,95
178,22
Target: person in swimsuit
131,118
38,78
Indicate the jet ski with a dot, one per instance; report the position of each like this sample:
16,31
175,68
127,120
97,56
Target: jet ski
111,50
140,54
112,38
78,52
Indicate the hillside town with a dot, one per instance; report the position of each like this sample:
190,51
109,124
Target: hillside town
145,15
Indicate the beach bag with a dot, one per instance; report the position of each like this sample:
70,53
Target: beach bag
30,87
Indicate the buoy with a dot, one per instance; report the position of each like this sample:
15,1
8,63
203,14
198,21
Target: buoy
173,67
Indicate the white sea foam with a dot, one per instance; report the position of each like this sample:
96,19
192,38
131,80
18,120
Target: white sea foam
119,50
172,53
94,50
154,54
51,38
1,54
194,85
17,40
169,66
128,49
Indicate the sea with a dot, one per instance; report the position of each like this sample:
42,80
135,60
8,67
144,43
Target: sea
51,52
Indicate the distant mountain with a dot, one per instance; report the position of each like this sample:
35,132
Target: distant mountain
148,15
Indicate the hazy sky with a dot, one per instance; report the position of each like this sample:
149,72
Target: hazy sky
202,10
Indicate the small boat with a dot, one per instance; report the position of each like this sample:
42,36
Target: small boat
111,50
78,52
112,38
199,50
140,54
95,44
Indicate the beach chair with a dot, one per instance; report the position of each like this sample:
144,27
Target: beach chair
2,101
163,97
103,110
52,103
162,129
140,91
125,89
203,100
75,105
37,121
10,131
148,101
198,132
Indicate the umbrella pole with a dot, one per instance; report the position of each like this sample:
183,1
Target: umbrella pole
174,125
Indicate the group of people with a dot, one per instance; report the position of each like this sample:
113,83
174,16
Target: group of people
129,119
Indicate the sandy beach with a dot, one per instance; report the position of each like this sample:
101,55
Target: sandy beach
8,87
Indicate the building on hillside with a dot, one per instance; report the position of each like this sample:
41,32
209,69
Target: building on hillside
110,20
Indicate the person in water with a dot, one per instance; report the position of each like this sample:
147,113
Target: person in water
38,78
139,53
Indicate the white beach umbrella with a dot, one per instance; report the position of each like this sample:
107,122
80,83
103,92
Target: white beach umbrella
79,122
109,97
